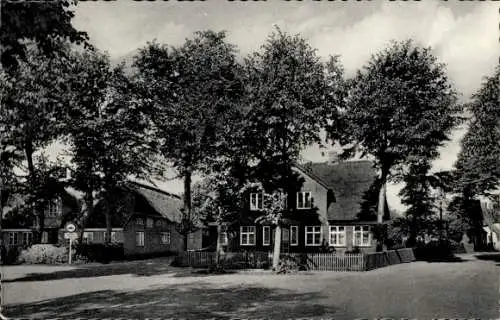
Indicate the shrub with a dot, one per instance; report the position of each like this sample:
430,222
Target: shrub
100,252
10,255
355,250
44,254
434,251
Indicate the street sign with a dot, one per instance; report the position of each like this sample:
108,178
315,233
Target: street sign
70,227
71,235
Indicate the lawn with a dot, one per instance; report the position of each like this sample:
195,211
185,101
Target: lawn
466,289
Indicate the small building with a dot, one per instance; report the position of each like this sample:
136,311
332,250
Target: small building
146,222
335,209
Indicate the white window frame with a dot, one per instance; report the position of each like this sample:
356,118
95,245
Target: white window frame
249,231
27,238
266,229
88,236
54,208
150,223
258,204
139,239
13,238
302,195
223,238
165,238
294,229
314,232
335,231
45,237
362,231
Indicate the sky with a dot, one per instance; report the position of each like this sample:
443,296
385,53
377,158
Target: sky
463,35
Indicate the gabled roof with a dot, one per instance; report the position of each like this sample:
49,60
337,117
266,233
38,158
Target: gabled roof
350,181
168,205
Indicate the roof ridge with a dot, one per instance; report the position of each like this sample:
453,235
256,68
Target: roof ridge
145,186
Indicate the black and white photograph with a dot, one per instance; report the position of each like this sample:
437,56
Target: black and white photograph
234,159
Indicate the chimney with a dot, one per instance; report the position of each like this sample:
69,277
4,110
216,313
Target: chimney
333,157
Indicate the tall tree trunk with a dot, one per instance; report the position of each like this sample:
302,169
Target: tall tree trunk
85,213
277,247
219,245
381,208
381,203
32,181
187,206
107,213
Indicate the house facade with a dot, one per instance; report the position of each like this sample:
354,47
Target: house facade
19,231
146,222
334,210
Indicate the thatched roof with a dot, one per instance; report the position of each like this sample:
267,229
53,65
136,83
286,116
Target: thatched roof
350,182
168,205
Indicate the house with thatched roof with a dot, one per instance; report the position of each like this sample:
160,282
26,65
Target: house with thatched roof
19,224
146,222
334,209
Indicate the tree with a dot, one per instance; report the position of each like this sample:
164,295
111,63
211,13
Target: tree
34,108
477,169
108,132
400,105
188,91
288,90
218,198
478,163
46,23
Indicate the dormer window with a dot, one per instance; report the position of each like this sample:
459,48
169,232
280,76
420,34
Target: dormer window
304,200
256,201
54,208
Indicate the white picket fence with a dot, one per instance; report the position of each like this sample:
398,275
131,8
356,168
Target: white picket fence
309,261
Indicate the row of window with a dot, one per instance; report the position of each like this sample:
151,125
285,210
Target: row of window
150,222
337,236
304,200
100,236
17,238
163,239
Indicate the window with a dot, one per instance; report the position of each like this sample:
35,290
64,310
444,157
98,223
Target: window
139,239
54,208
13,238
304,200
149,223
294,235
247,235
362,236
27,238
223,238
165,238
45,237
139,221
159,223
313,236
256,201
266,235
88,237
337,236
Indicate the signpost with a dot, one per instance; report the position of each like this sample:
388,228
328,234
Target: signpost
71,235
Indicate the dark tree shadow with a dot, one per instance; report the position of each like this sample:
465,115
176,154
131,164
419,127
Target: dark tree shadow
138,268
181,301
489,256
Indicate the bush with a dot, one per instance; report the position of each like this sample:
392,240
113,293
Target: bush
44,254
434,251
100,252
355,250
10,255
